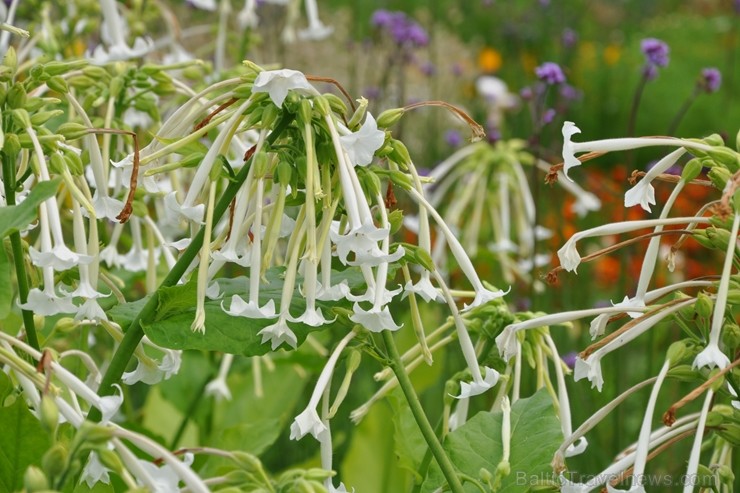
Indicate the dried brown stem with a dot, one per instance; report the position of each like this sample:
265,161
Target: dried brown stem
669,417
316,78
478,131
205,121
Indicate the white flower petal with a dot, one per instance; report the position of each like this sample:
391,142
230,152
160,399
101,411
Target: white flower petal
478,387
360,146
307,422
277,83
374,319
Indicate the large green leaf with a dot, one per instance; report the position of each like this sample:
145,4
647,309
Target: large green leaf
237,335
23,442
535,436
408,441
16,217
6,287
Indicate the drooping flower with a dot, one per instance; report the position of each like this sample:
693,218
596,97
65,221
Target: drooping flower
360,146
277,83
114,35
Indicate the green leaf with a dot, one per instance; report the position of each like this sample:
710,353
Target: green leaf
22,443
237,335
6,286
535,436
408,441
16,217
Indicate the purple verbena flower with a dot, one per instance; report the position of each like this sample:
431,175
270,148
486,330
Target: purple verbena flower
711,79
526,93
548,116
569,37
550,73
570,359
655,51
381,18
649,71
400,27
428,69
569,92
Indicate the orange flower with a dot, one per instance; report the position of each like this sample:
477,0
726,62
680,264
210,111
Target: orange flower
489,60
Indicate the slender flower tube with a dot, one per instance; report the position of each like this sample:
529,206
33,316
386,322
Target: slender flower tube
252,309
309,421
482,295
188,208
564,402
643,442
591,367
570,258
480,383
218,387
316,29
199,323
693,465
608,145
711,356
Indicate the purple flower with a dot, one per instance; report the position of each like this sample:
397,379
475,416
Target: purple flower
550,73
570,359
526,93
416,35
649,71
453,138
381,18
711,79
548,116
569,92
428,69
655,51
569,37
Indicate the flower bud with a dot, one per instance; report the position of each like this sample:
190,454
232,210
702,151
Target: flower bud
395,219
65,325
317,474
54,461
336,103
700,235
683,373
322,105
12,145
35,480
730,432
57,67
42,117
725,475
703,305
305,111
485,475
96,72
247,461
719,175
358,114
269,115
704,478
719,382
81,82
74,163
11,59
110,460
677,352
400,154
424,259
390,117
354,358
731,335
49,413
714,140
21,117
726,157
283,173
93,434
714,419
452,388
242,91
371,182
691,170
72,130
401,179
16,97
252,67
719,238
58,84
116,86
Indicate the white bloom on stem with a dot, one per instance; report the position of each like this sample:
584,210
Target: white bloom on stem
607,145
218,387
309,421
643,193
247,17
711,356
94,471
46,301
362,240
279,333
695,455
590,368
424,288
360,146
251,309
478,386
277,83
193,213
166,479
375,319
316,29
114,36
570,258
91,310
209,5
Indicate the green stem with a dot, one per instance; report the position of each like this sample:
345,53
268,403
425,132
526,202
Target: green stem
190,411
135,331
448,470
17,246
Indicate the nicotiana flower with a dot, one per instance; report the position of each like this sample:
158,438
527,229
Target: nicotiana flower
277,83
316,29
94,471
166,479
309,421
360,146
643,192
218,387
607,145
569,257
711,356
115,38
